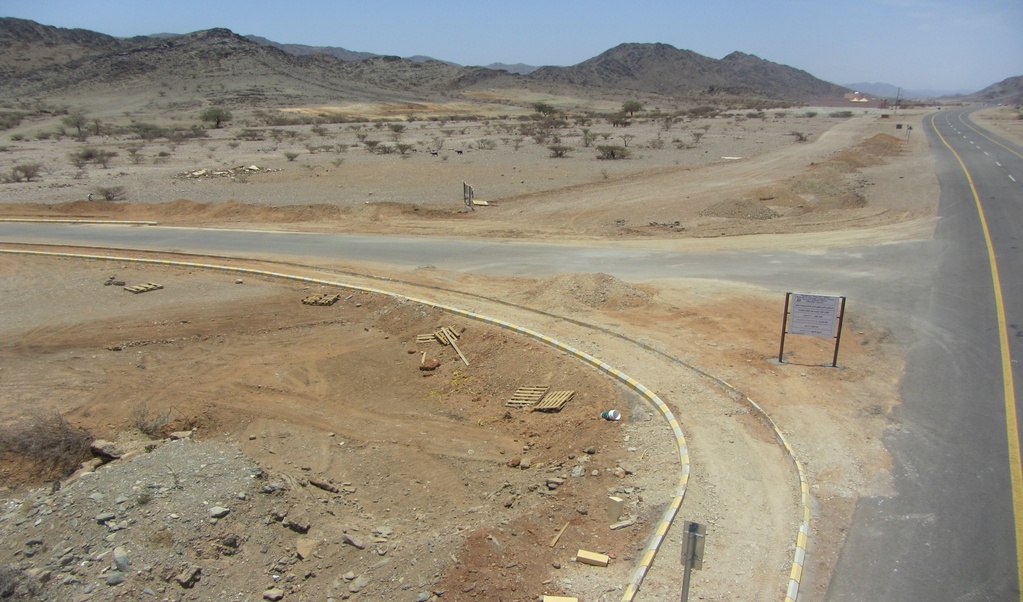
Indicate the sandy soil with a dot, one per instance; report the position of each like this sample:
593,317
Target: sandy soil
427,453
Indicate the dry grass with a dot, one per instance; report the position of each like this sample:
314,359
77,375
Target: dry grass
49,441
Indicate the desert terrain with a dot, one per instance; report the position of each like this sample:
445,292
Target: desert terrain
350,472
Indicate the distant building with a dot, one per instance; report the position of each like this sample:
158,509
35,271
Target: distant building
852,100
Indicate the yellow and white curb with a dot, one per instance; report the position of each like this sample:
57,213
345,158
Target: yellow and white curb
661,529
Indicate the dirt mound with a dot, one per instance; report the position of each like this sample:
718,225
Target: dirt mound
883,145
597,291
740,209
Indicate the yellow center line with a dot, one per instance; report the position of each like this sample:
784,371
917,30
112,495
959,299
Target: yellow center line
1011,427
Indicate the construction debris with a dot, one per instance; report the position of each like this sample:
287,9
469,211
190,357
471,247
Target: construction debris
554,401
225,173
143,288
527,396
592,558
554,541
321,299
623,524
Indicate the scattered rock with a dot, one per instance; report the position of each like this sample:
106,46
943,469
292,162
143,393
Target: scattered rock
219,512
106,450
273,594
188,576
305,546
359,584
354,542
514,462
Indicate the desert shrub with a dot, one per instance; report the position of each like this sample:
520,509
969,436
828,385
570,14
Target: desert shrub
110,193
800,136
17,137
44,135
49,441
252,134
559,151
26,171
151,424
371,145
841,114
91,154
810,114
385,149
486,144
703,111
612,152
403,148
10,120
291,155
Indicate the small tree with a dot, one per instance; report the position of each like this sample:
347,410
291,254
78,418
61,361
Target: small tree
217,115
76,119
631,106
28,171
544,108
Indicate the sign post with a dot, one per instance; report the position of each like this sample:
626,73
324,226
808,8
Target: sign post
693,537
813,315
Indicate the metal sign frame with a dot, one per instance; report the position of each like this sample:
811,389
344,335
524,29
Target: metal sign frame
813,315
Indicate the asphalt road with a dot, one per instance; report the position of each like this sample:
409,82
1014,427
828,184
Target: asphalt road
948,532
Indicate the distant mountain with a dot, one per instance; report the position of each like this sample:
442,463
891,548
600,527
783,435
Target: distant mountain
338,53
519,68
890,91
303,50
217,65
1009,91
664,69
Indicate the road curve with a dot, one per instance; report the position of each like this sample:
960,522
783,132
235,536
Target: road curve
950,530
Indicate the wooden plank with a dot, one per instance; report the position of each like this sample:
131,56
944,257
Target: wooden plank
592,558
527,396
426,338
451,336
561,532
554,401
441,337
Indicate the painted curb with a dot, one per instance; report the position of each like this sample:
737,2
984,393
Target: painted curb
661,529
19,220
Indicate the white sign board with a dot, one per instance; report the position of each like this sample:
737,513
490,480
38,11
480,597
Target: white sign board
814,315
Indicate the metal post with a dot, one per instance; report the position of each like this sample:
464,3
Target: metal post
689,555
838,335
784,324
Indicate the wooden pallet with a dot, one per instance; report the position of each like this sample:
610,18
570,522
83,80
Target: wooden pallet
322,299
554,401
143,288
527,396
444,336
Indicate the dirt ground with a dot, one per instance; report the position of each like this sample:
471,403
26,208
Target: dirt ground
421,462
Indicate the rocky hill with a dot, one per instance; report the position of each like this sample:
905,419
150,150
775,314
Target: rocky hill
229,68
1009,91
40,61
664,69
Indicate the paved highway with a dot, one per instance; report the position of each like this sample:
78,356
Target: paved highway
949,531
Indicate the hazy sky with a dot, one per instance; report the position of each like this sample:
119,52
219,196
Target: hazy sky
933,44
